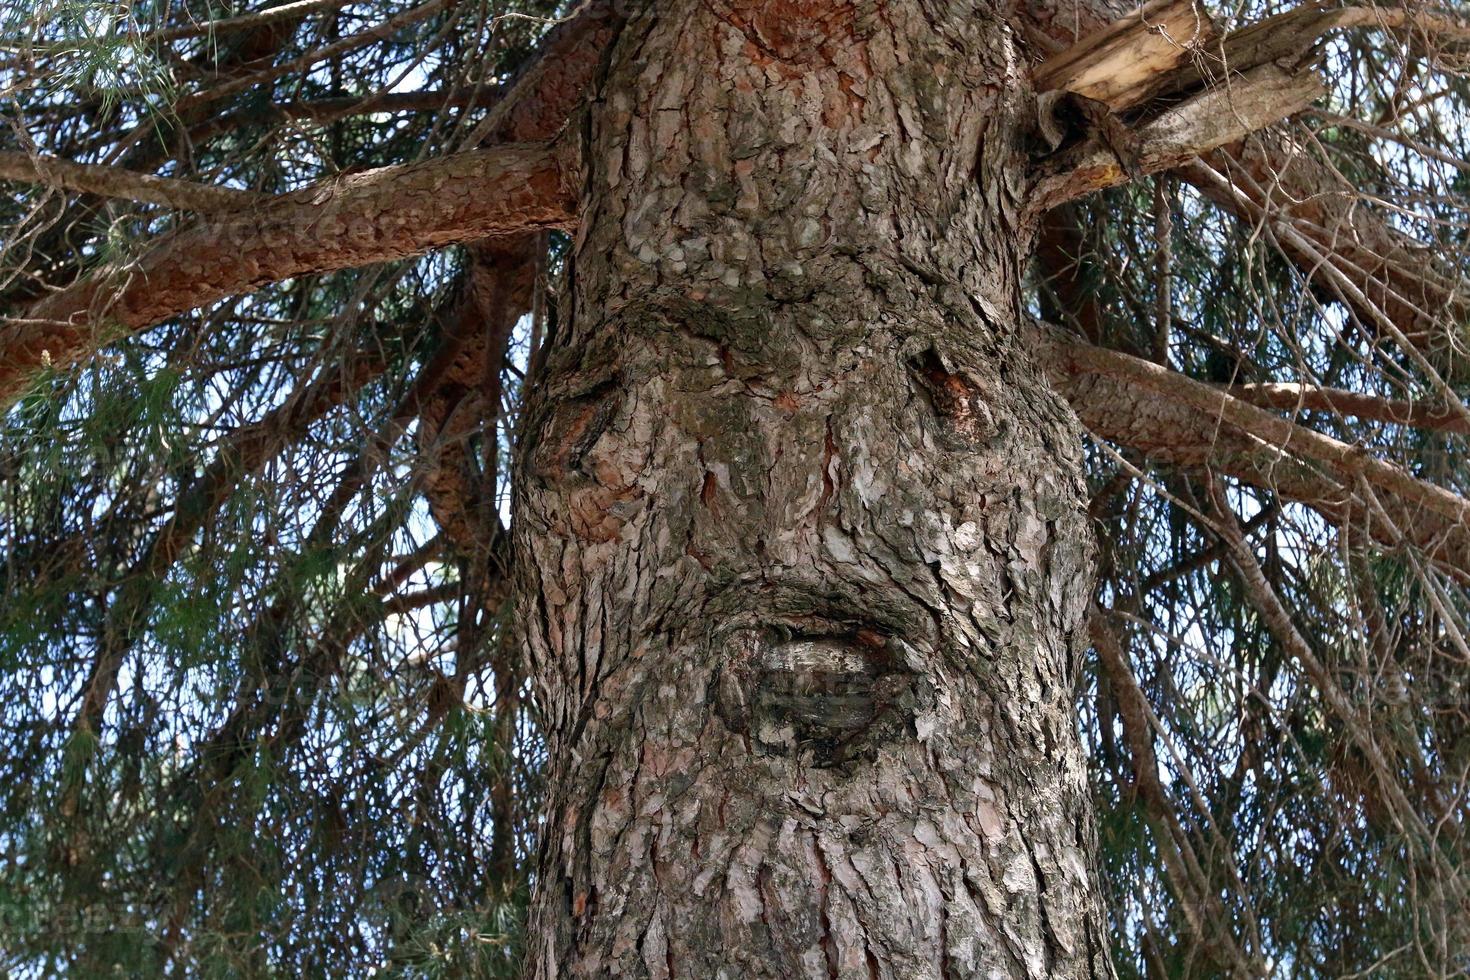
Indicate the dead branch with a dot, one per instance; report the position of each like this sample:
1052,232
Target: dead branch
1333,239
1355,725
1213,118
260,18
336,49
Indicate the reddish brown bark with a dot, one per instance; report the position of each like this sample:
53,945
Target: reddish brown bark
378,216
800,550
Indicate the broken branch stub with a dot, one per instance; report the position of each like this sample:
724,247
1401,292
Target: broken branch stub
1159,87
1122,64
1211,119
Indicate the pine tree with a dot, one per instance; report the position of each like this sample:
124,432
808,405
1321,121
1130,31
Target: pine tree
877,488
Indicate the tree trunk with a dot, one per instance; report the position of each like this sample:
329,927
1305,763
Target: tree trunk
802,556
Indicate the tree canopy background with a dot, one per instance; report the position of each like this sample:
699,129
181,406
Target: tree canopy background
260,700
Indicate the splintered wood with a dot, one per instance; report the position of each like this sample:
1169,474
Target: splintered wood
1123,64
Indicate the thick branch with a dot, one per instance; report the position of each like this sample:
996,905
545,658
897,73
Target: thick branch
1062,256
379,216
533,106
1218,405
1226,88
466,401
1167,47
1181,422
1288,34
1196,893
543,94
330,110
500,283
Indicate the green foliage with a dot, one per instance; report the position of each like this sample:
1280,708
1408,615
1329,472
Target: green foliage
287,778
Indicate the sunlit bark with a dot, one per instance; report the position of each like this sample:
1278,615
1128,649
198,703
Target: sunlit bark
799,536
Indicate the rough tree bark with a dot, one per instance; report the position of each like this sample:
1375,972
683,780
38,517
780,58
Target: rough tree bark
801,551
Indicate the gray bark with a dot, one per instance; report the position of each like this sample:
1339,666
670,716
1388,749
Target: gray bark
801,552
